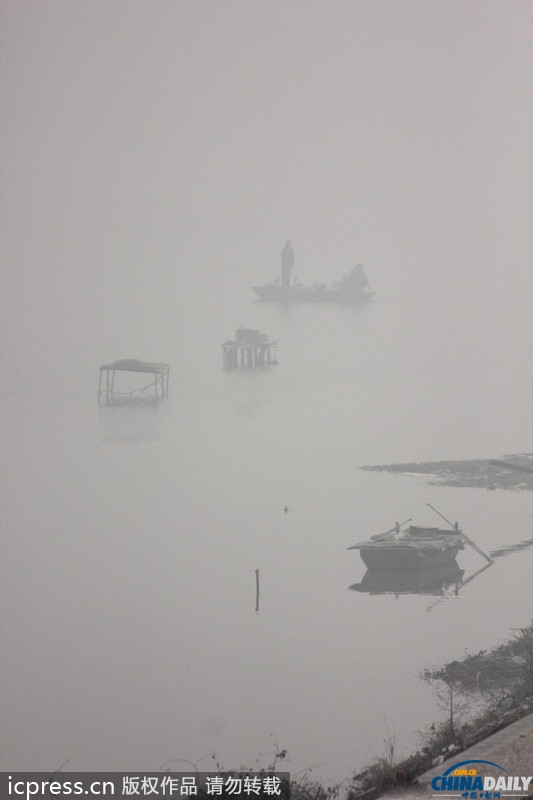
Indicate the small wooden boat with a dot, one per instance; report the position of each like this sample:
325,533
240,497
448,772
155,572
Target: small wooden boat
413,548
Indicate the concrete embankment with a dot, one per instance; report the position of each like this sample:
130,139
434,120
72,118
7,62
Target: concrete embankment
510,748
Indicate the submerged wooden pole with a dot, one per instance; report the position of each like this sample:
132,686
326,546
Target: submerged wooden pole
257,590
470,542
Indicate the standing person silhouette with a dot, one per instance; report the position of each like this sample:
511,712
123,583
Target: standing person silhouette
287,263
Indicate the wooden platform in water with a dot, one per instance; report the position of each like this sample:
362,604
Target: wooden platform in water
134,365
249,350
160,383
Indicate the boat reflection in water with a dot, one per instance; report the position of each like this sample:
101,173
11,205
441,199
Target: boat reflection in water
444,580
434,581
512,548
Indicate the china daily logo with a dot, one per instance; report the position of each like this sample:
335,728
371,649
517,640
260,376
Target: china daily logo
463,778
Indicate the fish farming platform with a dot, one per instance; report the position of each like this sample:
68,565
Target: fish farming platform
107,392
249,350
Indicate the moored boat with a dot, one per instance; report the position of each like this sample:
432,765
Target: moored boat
413,548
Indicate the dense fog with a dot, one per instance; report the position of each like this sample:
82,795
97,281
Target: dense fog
155,159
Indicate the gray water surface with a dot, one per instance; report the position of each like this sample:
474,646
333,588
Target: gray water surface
156,157
134,533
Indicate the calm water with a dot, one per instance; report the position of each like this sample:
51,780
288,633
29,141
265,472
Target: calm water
133,536
155,165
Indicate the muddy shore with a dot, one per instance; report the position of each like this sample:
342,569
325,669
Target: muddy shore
501,679
510,472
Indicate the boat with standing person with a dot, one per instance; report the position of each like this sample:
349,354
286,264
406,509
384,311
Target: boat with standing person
353,288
